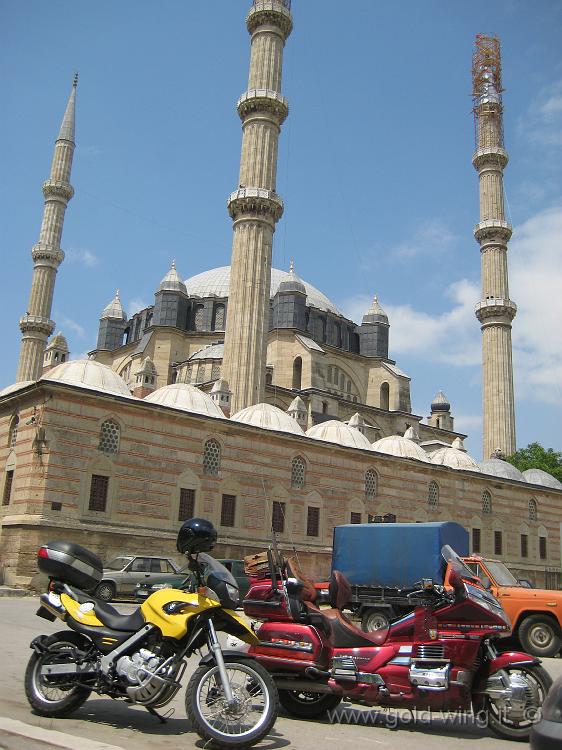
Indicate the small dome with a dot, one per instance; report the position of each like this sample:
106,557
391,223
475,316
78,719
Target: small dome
296,405
412,434
58,342
334,431
186,398
268,417
15,387
114,310
147,367
292,283
172,281
454,458
397,445
86,373
375,314
498,468
356,421
220,386
211,351
440,403
537,476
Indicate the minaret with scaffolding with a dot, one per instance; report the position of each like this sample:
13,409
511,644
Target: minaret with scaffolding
495,311
255,206
36,325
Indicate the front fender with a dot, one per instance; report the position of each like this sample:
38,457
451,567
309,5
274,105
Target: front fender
236,626
227,655
502,661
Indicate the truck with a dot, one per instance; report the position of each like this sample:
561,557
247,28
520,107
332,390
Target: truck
383,562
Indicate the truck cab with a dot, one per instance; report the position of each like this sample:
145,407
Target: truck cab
535,614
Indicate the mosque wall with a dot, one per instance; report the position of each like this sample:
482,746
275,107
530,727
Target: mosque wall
160,450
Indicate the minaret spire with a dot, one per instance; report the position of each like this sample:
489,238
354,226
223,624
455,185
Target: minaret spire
255,207
36,325
495,311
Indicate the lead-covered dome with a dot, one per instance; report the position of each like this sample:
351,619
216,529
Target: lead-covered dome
268,417
15,387
185,397
86,373
172,281
397,445
440,402
334,431
454,458
499,468
216,283
537,476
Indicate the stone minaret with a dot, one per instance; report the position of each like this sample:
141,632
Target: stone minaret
495,311
36,325
255,207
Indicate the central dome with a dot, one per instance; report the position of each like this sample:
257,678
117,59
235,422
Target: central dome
216,283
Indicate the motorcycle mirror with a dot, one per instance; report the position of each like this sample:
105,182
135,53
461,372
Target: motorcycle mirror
427,583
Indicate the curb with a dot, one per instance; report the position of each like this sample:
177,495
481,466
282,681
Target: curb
9,591
16,735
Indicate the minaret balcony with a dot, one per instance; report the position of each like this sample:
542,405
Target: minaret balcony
491,157
47,255
267,101
495,311
270,13
493,231
254,202
57,190
36,323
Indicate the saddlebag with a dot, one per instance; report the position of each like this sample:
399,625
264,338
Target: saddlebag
71,564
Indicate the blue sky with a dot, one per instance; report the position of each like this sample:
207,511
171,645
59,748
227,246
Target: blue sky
374,167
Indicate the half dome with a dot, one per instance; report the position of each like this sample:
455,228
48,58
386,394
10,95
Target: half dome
15,387
454,458
86,373
268,417
538,476
498,468
397,445
186,398
334,431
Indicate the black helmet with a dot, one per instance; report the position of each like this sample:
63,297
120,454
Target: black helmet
196,535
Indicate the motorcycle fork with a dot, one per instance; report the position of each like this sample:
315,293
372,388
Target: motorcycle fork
215,648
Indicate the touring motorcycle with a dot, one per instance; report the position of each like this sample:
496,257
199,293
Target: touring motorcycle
440,657
141,657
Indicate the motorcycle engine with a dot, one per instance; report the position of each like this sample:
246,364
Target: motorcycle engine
137,667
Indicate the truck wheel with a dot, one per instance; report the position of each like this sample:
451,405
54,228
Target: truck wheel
540,636
374,619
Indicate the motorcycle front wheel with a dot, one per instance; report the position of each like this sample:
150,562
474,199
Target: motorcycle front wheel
55,696
255,708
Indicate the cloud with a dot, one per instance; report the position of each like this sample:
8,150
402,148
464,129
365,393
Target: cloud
431,238
468,423
135,305
71,325
89,150
84,257
542,124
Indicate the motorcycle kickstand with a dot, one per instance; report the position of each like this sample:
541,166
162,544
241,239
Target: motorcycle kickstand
162,719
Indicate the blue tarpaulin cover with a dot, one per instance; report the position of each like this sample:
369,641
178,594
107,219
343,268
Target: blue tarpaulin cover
395,555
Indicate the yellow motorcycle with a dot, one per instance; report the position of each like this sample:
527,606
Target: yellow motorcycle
141,657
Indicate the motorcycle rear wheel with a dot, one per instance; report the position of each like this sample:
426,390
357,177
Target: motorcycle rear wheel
307,705
245,724
47,696
539,683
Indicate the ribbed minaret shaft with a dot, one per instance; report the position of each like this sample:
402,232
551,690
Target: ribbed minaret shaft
495,311
36,325
255,207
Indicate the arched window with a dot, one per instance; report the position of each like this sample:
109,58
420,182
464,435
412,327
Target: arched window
211,457
13,433
433,495
533,513
337,334
109,437
297,373
198,317
371,484
218,318
486,502
298,472
215,371
385,396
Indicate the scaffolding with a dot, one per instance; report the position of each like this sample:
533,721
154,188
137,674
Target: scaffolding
487,91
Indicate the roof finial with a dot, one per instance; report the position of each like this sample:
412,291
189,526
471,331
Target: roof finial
75,81
375,299
174,264
117,294
292,266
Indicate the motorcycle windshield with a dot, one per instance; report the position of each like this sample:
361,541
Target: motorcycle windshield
212,566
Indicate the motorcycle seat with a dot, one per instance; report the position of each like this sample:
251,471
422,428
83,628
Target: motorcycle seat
344,634
107,614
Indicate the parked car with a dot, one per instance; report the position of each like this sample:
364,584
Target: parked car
547,733
526,583
184,580
121,575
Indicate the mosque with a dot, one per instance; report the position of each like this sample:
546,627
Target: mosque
243,394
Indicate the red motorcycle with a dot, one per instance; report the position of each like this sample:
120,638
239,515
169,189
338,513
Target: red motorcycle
440,657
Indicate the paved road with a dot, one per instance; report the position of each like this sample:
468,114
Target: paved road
117,724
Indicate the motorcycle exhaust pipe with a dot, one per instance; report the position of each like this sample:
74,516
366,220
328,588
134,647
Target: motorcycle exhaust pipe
308,686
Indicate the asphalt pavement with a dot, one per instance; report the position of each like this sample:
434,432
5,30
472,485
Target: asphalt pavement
103,724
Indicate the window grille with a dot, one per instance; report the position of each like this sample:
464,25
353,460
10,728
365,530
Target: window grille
313,521
498,543
215,371
278,517
298,468
219,318
228,510
542,547
198,320
476,543
524,545
8,488
13,436
109,437
371,484
355,517
211,458
98,493
187,504
486,502
433,495
533,514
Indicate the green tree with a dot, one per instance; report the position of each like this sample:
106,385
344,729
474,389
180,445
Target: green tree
534,456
